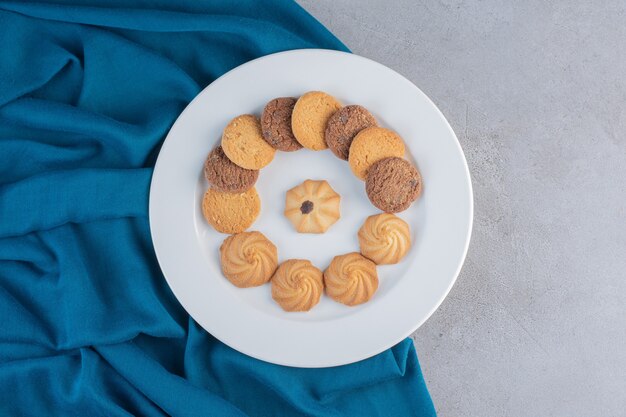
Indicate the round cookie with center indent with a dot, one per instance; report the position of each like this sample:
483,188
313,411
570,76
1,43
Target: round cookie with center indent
276,124
393,184
344,125
226,176
371,145
243,143
229,212
310,116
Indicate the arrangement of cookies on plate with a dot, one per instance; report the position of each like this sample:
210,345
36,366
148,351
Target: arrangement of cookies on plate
315,121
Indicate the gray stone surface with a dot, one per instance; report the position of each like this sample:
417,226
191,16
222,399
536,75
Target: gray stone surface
536,92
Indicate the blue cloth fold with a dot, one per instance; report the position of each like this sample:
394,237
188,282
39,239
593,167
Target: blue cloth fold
88,91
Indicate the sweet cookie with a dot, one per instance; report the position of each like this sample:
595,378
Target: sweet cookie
248,259
309,118
312,207
229,212
297,285
344,125
393,184
224,175
351,279
384,238
276,124
373,144
243,143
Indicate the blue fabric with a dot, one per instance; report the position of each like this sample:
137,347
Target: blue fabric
88,325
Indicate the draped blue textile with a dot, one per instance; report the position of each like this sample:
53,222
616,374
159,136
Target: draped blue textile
88,326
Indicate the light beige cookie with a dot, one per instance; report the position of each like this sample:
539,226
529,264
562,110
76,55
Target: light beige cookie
371,145
248,259
312,207
351,279
297,285
243,143
229,212
309,118
384,238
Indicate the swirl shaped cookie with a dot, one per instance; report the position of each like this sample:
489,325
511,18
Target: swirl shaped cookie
248,259
297,285
384,238
351,279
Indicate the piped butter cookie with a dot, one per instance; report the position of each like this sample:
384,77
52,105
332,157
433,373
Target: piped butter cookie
351,279
297,285
312,207
384,238
248,259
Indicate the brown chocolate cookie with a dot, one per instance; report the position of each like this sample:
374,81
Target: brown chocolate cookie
276,124
226,176
392,184
343,126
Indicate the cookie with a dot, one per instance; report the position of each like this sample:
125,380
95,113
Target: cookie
248,259
373,144
351,279
226,176
393,184
243,143
384,238
344,125
309,118
297,285
229,212
276,124
312,207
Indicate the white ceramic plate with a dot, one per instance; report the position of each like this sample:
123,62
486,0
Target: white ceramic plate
331,334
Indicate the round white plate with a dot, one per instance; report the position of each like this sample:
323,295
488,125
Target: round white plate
330,334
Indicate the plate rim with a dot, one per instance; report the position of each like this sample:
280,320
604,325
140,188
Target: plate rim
468,232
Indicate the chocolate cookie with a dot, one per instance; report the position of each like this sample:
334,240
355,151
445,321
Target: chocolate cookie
343,126
276,124
392,184
226,176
